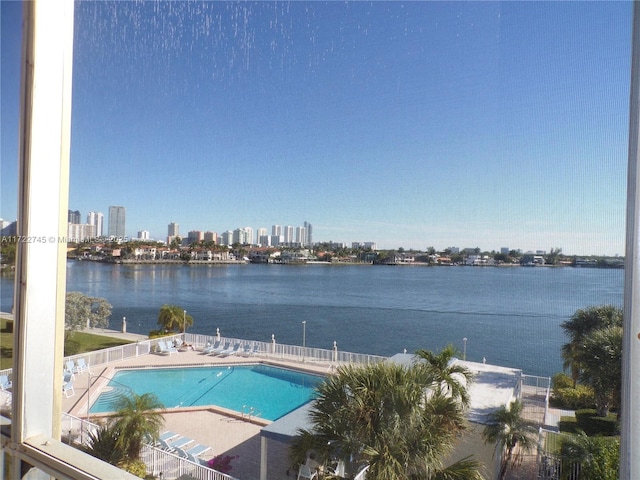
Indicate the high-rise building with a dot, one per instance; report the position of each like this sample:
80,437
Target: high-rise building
276,230
309,228
301,236
227,238
194,236
242,236
74,216
173,230
97,219
117,222
79,232
211,237
288,234
143,235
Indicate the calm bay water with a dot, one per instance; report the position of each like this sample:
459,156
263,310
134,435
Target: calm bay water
510,316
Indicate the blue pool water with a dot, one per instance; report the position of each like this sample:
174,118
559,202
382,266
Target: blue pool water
270,392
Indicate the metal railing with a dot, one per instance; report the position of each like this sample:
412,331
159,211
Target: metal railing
167,465
159,462
297,353
550,464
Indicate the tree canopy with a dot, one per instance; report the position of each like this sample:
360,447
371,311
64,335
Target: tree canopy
449,378
84,311
138,417
512,434
594,352
173,318
384,415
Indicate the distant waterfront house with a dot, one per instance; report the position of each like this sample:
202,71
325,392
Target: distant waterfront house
145,253
399,259
443,260
202,254
530,260
479,260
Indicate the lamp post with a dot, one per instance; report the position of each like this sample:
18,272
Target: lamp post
184,321
464,348
304,338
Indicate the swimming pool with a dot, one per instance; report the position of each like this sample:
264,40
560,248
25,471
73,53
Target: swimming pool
268,392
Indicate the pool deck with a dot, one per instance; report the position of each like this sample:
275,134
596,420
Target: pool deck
224,432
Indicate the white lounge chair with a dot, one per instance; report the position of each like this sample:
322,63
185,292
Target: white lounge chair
217,351
255,350
181,442
305,472
81,366
210,347
192,453
67,387
69,367
230,351
168,435
166,349
246,350
5,383
164,445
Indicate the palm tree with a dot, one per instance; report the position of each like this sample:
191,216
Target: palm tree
447,377
602,367
581,324
138,419
173,318
383,416
102,444
512,435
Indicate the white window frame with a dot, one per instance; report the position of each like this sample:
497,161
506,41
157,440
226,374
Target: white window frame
40,278
41,263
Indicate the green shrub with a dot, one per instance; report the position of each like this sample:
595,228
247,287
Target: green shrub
568,425
599,457
134,467
588,421
561,380
573,398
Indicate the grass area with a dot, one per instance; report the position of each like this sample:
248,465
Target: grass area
88,342
82,342
587,421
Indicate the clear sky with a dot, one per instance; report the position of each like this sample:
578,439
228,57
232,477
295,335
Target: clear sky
471,124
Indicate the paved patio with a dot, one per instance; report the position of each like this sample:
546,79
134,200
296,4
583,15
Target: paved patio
226,432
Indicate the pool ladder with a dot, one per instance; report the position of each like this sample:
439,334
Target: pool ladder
248,412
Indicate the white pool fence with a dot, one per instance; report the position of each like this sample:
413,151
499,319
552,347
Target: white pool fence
160,463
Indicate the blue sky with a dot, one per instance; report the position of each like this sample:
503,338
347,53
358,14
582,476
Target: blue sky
409,124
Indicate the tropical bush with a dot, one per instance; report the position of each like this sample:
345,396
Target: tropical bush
598,457
134,467
564,394
103,444
119,442
382,415
594,353
587,420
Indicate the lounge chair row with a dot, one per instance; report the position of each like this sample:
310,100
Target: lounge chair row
181,446
79,366
226,350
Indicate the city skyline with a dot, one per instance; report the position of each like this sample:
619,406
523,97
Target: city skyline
418,124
